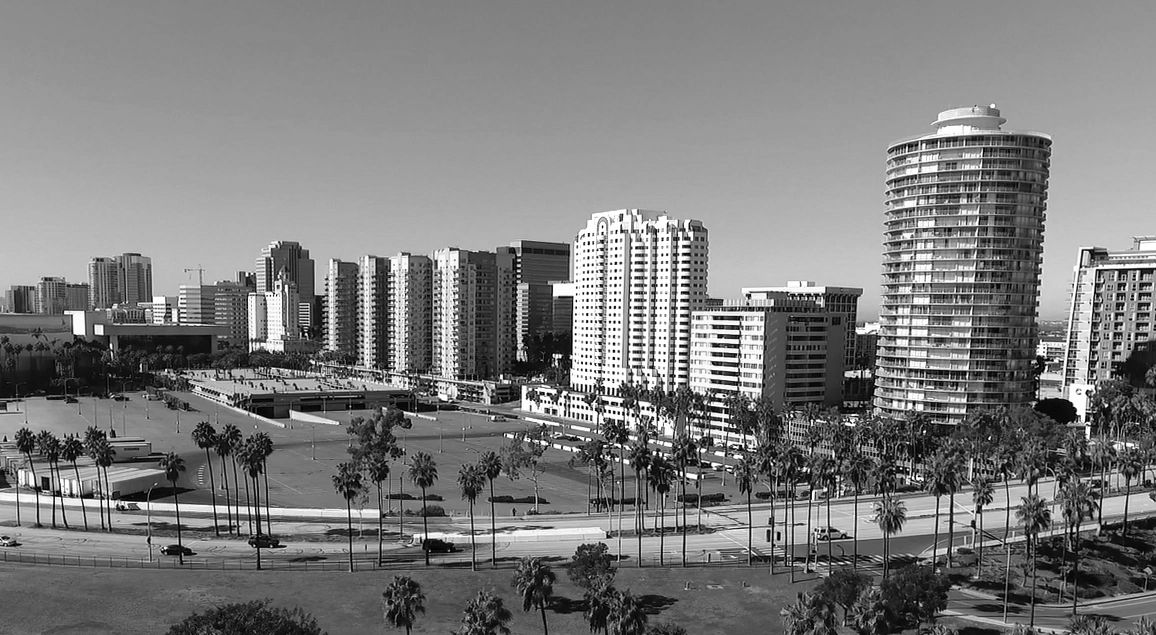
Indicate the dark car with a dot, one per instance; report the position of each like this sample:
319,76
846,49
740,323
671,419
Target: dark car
264,541
70,400
176,550
119,397
436,545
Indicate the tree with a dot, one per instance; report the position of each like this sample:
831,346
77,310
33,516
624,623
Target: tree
102,454
1089,625
590,565
471,481
1034,515
627,617
251,458
683,450
811,614
263,449
71,450
491,465
1131,465
173,465
745,477
1060,410
534,581
1078,502
890,515
982,495
524,452
941,478
661,479
403,601
485,615
227,442
639,456
26,444
254,618
206,437
423,472
913,595
348,484
600,600
842,588
49,448
868,615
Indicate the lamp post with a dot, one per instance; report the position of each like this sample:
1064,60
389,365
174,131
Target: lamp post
313,441
123,411
149,519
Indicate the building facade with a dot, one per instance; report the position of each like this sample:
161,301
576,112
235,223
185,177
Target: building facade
291,258
1110,311
638,276
341,307
77,296
840,300
134,278
273,316
21,298
231,311
473,314
410,313
372,311
104,282
197,304
963,244
51,295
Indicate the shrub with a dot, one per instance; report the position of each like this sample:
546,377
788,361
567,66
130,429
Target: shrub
524,500
590,564
707,499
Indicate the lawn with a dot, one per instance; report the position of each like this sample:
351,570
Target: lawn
68,600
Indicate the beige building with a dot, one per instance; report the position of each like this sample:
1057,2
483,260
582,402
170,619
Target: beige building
839,300
473,314
273,316
410,313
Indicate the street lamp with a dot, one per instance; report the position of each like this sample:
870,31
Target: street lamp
149,520
313,441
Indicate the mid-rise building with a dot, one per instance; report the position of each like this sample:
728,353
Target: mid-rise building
164,309
473,314
76,296
840,300
21,298
562,308
638,276
372,311
1110,311
410,313
197,304
104,282
341,307
273,316
289,257
535,264
231,311
51,295
963,245
134,278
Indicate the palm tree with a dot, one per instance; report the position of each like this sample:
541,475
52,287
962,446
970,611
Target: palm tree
423,472
252,460
347,482
600,598
26,445
683,451
263,448
811,614
941,478
486,615
173,465
857,469
205,436
472,480
377,469
230,440
890,515
49,447
639,460
534,582
745,476
627,616
1102,456
981,496
491,465
403,601
618,434
102,454
661,479
1079,503
71,450
1034,515
824,472
1131,465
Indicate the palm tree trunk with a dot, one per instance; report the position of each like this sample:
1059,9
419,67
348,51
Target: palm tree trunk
228,502
108,499
1007,512
773,520
750,532
1127,498
638,515
349,530
257,509
79,494
493,529
810,534
213,490
36,488
855,531
424,525
18,501
661,510
268,516
790,557
1075,568
1103,490
52,492
830,560
698,494
177,504
684,516
237,489
381,522
248,506
401,506
950,527
1035,569
935,536
545,626
473,544
979,544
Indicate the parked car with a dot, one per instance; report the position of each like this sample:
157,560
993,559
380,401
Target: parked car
119,397
828,533
70,400
436,545
175,550
264,541
8,541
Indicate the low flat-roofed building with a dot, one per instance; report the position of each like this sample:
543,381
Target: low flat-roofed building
190,338
274,392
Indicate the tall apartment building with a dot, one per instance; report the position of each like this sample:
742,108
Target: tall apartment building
1110,311
638,275
536,266
298,267
961,266
197,304
473,314
273,316
840,300
372,311
51,295
104,282
231,310
410,313
21,298
341,307
134,278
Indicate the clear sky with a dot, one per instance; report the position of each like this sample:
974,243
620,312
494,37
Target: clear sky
196,132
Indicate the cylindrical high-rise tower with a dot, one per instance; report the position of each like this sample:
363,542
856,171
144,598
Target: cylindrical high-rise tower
962,251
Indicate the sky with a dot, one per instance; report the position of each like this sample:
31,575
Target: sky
195,132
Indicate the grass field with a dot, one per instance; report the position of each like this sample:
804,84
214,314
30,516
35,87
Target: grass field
67,600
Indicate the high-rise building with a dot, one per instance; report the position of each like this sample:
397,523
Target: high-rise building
21,298
51,295
164,310
231,310
290,257
410,313
638,275
135,278
562,308
273,318
372,311
1111,310
341,307
961,267
197,304
473,314
536,264
104,282
76,296
840,300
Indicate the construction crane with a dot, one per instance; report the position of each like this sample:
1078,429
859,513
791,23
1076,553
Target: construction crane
200,273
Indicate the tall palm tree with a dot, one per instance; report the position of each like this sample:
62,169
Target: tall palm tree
26,445
1131,465
981,496
173,465
71,450
348,484
890,515
377,469
1034,515
403,602
534,581
471,481
1102,456
857,468
745,476
102,454
661,480
938,482
205,436
618,434
230,441
49,447
825,472
491,465
251,459
1079,503
423,472
683,450
263,447
791,464
627,616
639,456
600,598
223,448
767,463
486,615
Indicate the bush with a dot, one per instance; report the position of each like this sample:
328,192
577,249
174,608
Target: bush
255,617
410,497
590,564
431,511
914,594
524,500
707,499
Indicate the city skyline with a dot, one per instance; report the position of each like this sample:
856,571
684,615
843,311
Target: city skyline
199,137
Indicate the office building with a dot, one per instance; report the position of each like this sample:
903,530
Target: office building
197,304
963,243
473,314
76,296
51,295
341,307
562,308
1110,311
21,298
372,311
273,316
231,311
535,264
134,278
104,282
638,275
410,314
289,257
164,310
840,300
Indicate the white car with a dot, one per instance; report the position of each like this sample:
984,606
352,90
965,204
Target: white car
828,533
8,541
